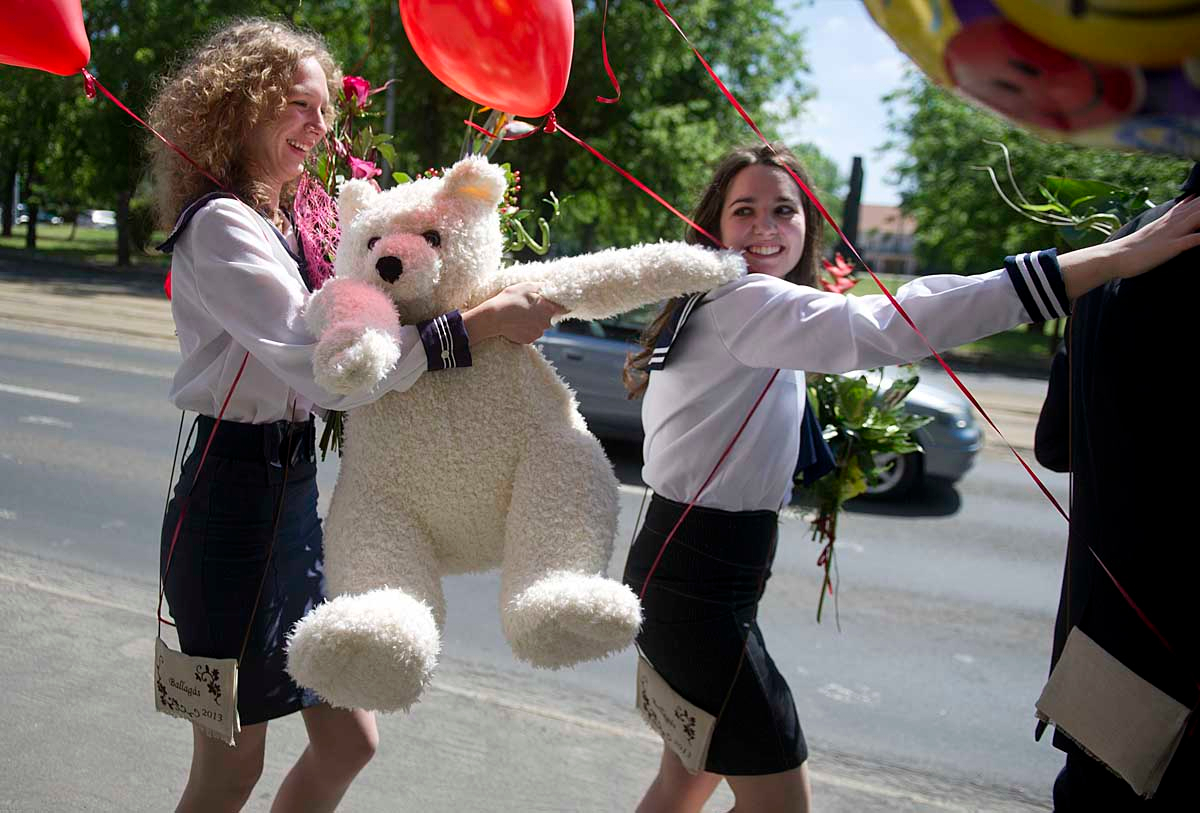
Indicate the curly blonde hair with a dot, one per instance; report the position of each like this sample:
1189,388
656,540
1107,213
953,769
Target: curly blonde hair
235,80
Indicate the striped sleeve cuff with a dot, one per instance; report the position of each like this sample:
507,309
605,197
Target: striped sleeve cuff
1039,284
446,342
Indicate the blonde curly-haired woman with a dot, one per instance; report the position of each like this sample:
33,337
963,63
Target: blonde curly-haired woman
249,106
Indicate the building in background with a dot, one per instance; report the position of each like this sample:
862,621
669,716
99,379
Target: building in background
885,239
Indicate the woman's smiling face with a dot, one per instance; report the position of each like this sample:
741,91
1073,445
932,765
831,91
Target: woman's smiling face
276,149
763,219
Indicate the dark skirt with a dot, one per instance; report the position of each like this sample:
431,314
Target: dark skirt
700,615
221,555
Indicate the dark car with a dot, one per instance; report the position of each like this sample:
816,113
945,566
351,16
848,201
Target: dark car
591,355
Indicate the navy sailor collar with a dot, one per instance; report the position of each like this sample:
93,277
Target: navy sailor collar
666,339
185,218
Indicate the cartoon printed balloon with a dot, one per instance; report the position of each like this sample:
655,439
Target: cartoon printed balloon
1117,73
44,34
510,55
1151,33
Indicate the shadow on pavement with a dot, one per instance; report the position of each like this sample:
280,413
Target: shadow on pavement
935,498
78,280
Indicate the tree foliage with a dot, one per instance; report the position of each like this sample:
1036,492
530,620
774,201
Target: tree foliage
669,127
963,225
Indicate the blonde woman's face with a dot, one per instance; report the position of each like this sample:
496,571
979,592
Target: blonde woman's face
763,219
276,149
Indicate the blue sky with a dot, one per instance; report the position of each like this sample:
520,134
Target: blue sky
853,65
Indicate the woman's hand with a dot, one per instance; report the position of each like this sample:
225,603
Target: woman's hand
1154,244
1134,254
518,313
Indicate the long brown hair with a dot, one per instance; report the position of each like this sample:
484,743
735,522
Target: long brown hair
707,215
238,77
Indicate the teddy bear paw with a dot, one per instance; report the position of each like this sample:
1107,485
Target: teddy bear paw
350,360
565,618
374,650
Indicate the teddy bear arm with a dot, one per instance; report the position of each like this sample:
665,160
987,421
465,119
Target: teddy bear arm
358,335
605,283
348,302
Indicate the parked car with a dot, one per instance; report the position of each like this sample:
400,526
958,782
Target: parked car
591,355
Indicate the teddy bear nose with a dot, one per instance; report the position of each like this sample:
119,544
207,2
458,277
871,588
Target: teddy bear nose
390,268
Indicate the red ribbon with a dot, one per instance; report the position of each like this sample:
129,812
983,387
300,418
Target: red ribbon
91,83
711,475
612,77
552,125
162,585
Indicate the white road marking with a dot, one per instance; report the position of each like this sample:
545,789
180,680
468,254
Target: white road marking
6,514
46,420
46,394
90,363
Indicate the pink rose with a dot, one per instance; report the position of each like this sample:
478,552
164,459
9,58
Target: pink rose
363,169
356,89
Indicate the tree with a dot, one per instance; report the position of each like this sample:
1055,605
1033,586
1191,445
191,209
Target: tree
31,106
668,128
962,224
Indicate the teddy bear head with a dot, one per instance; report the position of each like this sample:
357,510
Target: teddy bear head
428,243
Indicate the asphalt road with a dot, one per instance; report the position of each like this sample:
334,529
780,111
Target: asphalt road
924,698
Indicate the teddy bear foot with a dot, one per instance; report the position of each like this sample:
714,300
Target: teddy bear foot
375,650
565,618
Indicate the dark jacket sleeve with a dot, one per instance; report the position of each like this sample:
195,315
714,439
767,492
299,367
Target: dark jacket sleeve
1051,444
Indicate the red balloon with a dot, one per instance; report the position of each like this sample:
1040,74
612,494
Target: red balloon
44,34
510,55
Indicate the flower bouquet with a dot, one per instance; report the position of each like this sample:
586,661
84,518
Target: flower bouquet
862,423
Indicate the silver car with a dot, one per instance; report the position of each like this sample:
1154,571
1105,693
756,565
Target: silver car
591,355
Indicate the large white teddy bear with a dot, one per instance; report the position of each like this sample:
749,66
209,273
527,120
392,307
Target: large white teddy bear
469,469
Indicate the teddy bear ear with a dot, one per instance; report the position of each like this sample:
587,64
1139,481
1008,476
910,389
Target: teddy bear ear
353,198
476,181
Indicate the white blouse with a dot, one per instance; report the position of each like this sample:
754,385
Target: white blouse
749,327
235,286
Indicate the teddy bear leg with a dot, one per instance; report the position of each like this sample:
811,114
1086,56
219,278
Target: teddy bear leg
374,644
558,607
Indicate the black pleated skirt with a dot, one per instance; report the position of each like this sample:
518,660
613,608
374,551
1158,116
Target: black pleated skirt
220,557
701,634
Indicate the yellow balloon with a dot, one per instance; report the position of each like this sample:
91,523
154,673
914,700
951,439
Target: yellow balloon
921,29
1153,33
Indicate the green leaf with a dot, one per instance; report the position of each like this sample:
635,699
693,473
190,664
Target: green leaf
400,177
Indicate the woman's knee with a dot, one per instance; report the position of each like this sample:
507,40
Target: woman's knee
343,741
231,773
787,792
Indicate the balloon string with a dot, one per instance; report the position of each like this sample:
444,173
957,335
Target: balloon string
552,125
829,219
91,83
496,134
612,76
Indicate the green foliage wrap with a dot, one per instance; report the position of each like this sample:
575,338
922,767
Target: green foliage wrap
860,422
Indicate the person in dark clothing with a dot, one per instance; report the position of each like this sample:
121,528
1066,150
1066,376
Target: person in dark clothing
1113,419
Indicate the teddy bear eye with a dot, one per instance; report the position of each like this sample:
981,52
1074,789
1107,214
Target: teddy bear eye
433,238
371,243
